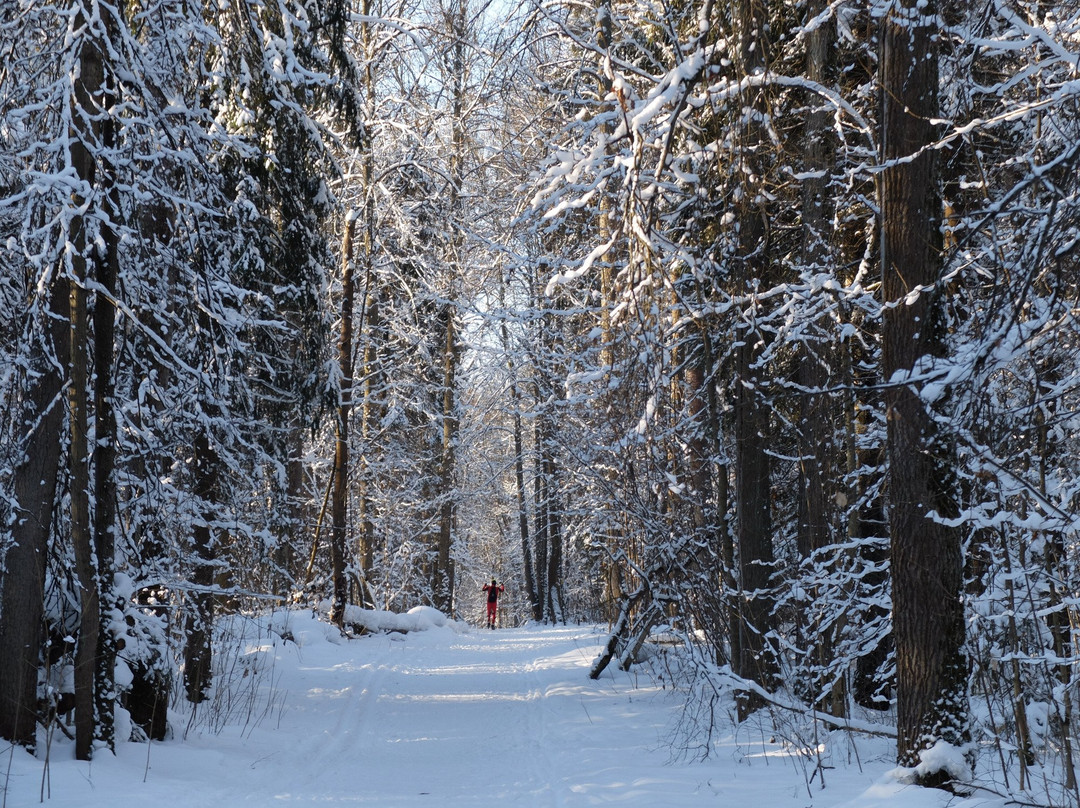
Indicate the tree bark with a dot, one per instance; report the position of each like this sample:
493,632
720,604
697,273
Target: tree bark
87,130
553,606
79,495
519,479
818,449
104,452
928,618
752,415
104,456
22,575
817,207
540,511
443,579
523,518
372,410
754,526
443,583
198,647
151,687
339,504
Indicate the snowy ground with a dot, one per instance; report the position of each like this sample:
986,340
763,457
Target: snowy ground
448,717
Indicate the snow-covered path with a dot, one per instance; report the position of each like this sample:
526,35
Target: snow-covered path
437,719
434,718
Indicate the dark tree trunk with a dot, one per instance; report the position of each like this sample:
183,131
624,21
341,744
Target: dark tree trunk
553,606
523,522
104,456
540,516
522,493
151,687
372,409
104,452
88,103
707,497
752,416
339,509
819,452
371,415
867,689
286,558
815,445
443,579
702,430
22,576
198,649
79,468
754,526
928,617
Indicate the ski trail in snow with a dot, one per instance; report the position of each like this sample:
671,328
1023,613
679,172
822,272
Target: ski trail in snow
433,718
334,709
438,719
537,734
460,724
441,719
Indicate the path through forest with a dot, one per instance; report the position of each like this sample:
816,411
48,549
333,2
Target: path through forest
436,718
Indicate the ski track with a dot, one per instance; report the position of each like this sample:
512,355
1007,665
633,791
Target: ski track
452,720
429,719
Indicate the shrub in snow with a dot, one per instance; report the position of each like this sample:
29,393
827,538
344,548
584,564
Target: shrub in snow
941,757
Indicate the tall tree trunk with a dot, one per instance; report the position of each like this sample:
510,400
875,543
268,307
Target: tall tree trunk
752,416
701,433
104,452
818,450
198,646
553,606
294,525
443,583
523,518
519,478
869,522
443,579
370,415
540,511
754,525
813,428
1061,619
339,505
79,497
88,103
612,597
372,409
22,575
151,688
708,496
928,617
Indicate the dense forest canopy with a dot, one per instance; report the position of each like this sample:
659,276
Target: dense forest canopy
755,322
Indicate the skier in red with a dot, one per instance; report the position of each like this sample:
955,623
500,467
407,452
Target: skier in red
494,589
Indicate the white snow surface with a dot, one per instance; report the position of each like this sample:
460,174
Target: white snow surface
454,716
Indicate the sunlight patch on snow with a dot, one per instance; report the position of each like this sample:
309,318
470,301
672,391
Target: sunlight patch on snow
456,697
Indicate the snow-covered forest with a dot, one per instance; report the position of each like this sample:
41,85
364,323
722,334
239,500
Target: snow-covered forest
749,325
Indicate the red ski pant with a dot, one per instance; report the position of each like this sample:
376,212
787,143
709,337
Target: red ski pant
493,608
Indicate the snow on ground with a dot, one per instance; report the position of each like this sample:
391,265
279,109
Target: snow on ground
448,716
